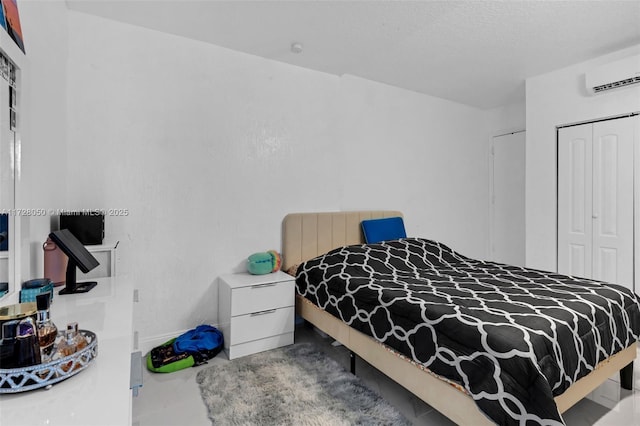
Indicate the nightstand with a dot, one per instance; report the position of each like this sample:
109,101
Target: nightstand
256,312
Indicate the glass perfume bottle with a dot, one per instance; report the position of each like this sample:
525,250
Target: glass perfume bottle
72,343
7,344
27,349
47,330
65,348
79,340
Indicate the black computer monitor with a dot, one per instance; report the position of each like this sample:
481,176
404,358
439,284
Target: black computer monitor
79,257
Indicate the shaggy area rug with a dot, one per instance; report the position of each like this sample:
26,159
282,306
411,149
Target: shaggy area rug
294,385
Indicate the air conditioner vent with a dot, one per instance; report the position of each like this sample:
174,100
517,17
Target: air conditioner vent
616,84
622,73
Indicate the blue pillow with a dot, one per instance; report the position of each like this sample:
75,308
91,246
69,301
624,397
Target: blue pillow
376,230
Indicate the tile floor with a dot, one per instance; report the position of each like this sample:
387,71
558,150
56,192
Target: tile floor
174,399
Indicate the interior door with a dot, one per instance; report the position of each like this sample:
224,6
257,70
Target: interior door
508,199
575,235
613,201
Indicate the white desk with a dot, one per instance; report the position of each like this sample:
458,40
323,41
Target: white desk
99,395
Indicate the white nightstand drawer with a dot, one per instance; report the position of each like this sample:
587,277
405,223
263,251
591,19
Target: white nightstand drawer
262,297
262,324
265,344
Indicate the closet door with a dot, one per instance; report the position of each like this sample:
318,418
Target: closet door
575,200
613,201
596,201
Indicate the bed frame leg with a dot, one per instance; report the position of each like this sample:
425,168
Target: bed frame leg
352,358
626,377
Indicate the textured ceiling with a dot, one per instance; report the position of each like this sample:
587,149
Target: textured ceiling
473,52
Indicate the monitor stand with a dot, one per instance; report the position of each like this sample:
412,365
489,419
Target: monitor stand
80,288
71,286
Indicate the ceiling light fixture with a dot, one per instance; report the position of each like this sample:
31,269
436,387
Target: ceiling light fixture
296,47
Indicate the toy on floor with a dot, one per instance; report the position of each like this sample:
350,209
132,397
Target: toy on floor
190,349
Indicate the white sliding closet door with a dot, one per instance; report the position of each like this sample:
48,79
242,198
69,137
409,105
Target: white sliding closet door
596,200
613,201
574,200
508,199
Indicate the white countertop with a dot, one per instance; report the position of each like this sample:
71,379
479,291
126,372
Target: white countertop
100,394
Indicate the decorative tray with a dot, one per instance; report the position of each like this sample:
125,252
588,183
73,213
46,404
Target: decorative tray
13,380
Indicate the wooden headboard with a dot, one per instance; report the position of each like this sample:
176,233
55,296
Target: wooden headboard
307,235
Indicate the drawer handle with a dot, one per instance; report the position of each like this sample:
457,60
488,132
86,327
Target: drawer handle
264,285
270,311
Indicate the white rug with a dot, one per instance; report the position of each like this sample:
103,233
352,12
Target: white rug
294,385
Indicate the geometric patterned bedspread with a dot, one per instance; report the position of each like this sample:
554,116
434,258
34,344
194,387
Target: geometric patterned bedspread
513,337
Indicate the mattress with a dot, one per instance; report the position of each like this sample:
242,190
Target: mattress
512,337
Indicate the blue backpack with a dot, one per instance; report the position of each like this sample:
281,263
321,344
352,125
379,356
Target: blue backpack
190,349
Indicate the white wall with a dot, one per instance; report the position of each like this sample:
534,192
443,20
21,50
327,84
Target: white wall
420,154
508,119
208,149
555,99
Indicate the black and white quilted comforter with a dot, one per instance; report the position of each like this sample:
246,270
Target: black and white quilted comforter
513,337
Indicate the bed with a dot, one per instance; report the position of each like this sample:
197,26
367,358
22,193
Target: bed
306,236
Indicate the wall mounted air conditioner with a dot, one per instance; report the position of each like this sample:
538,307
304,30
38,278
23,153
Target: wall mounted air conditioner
613,75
